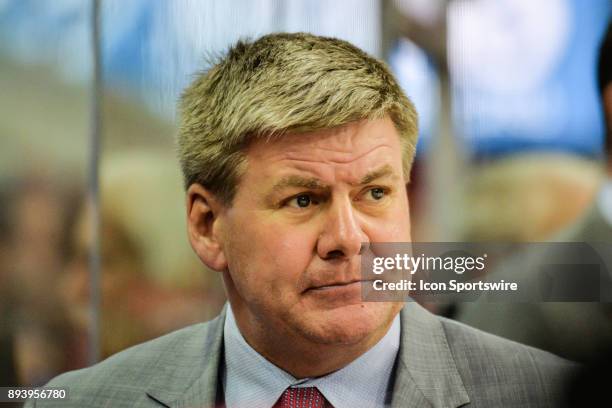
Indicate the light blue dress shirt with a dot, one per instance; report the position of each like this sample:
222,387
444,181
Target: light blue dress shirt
249,380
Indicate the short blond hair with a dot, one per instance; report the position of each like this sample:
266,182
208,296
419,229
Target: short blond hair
282,83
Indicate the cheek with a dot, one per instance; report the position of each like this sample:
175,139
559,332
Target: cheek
287,252
395,227
269,256
294,250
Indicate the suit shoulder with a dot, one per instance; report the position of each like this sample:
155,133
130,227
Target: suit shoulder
484,359
139,357
126,375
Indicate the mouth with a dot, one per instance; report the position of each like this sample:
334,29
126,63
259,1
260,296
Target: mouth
339,285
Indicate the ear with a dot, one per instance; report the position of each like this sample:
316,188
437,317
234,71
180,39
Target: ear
204,226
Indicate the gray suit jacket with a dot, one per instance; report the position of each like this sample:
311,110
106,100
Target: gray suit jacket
441,363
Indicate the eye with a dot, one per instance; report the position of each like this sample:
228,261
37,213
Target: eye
302,201
377,193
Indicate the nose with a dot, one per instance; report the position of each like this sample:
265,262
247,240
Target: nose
342,235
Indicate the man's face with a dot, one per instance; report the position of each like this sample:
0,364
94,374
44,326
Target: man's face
293,235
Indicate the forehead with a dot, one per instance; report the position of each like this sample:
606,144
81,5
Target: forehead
350,150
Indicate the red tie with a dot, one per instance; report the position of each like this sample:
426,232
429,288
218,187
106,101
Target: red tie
307,397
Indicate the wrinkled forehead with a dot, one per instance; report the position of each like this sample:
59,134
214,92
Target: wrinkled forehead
357,147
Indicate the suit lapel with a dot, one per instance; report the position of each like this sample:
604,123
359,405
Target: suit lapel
189,376
426,374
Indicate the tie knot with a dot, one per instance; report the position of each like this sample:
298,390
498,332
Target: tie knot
307,397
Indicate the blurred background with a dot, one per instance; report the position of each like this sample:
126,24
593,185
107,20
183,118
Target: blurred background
511,146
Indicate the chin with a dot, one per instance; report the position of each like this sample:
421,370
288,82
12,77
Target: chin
351,324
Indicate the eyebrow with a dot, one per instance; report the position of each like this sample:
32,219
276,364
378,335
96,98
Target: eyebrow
384,171
313,183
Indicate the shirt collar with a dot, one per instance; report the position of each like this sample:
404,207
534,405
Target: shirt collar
249,380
